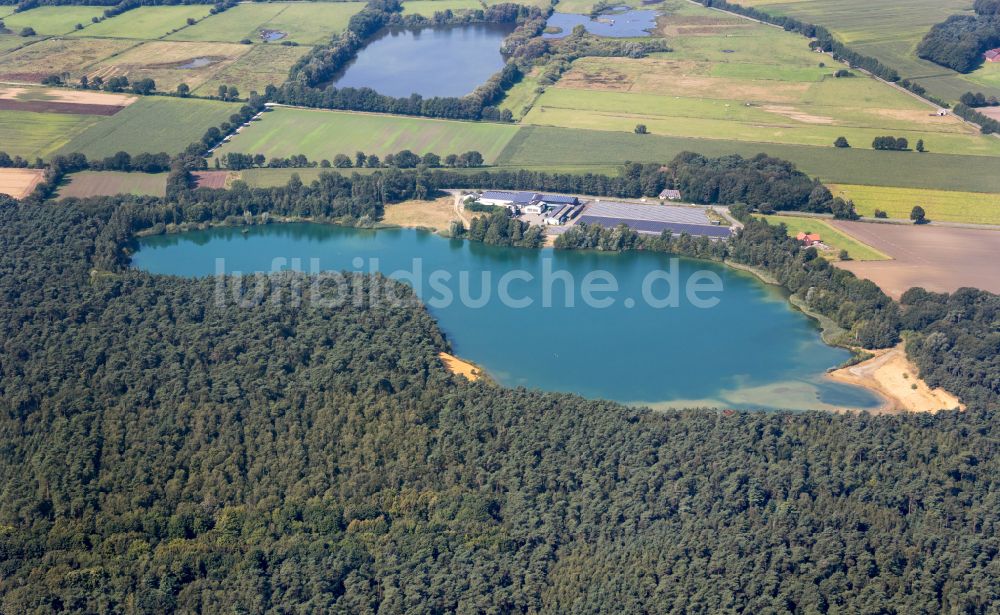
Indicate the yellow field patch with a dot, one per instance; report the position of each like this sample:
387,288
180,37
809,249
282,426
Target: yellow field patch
942,205
170,63
19,183
79,97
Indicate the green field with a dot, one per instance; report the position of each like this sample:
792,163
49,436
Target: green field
306,23
889,31
832,237
9,42
53,20
585,6
539,146
324,134
520,97
427,8
232,26
152,124
108,183
738,80
29,135
942,205
146,22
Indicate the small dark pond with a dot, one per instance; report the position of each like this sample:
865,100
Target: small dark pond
272,35
436,61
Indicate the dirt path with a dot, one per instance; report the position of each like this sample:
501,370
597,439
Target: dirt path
894,377
460,208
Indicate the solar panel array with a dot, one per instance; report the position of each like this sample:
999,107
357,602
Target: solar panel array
652,213
653,219
654,226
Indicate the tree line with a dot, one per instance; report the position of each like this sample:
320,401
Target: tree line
404,159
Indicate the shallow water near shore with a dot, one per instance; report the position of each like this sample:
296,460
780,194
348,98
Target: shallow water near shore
750,350
621,23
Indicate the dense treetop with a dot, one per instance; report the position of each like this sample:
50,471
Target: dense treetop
162,451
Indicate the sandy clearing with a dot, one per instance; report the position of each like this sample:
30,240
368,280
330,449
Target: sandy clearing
78,97
891,374
460,367
993,112
437,214
937,258
19,183
795,114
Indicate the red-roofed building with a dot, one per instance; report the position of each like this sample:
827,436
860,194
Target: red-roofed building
993,55
808,239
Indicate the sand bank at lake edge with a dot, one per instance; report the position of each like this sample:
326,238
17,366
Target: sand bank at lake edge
891,375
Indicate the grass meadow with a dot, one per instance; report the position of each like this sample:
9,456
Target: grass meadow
747,82
9,42
941,205
522,96
53,20
146,22
889,31
162,62
324,134
107,183
261,66
30,135
427,8
836,239
306,23
538,146
151,124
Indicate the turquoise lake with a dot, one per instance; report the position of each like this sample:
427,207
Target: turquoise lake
752,349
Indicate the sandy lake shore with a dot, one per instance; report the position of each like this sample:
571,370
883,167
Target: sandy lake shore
891,375
459,367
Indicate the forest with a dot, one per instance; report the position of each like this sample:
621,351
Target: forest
164,452
960,41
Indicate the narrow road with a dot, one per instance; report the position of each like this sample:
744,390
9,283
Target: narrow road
460,207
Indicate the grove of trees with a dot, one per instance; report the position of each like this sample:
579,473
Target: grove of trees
959,41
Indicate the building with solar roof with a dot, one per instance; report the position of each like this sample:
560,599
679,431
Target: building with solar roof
654,219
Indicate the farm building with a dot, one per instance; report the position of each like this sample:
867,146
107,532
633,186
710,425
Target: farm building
529,202
505,198
555,200
993,55
654,219
670,195
809,239
561,215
